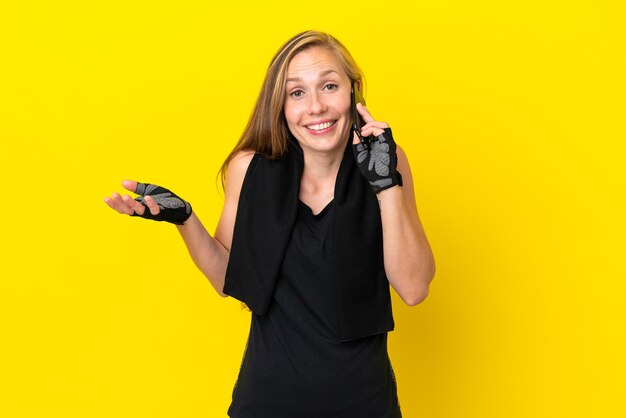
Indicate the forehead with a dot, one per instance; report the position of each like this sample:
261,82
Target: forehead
314,62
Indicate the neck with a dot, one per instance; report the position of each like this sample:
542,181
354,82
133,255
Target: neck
320,172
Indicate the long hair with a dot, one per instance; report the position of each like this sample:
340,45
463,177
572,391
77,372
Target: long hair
267,131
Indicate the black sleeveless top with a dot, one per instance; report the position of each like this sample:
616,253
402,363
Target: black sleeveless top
293,364
266,214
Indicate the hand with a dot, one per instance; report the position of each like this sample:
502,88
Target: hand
377,159
161,204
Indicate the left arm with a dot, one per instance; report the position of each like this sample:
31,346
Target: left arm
409,261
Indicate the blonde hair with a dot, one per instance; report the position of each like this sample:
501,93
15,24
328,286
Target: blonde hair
267,131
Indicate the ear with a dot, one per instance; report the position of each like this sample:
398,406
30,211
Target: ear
358,85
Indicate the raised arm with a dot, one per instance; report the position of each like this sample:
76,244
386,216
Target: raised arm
409,262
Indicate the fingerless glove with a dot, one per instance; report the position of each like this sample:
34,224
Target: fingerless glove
378,161
173,209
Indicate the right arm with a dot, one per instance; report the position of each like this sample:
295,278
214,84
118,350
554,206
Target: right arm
211,254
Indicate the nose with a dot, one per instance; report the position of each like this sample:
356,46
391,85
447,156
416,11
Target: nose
316,104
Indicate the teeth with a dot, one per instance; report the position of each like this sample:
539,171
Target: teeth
320,126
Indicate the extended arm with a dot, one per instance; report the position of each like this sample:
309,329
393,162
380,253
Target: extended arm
207,253
210,254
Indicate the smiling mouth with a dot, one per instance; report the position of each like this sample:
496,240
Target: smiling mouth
321,126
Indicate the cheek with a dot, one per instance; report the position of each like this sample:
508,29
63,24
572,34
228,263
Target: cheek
346,109
291,114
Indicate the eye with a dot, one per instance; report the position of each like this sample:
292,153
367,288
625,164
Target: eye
296,94
330,86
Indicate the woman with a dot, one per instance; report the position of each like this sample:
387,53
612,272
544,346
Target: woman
317,223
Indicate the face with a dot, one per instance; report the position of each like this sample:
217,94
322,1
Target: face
317,102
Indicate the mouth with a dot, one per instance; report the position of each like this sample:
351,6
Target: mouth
321,127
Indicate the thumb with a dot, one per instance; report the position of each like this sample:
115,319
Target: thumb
130,185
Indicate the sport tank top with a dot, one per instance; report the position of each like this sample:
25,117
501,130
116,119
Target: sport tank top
293,366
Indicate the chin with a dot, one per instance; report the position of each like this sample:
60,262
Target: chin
326,146
322,143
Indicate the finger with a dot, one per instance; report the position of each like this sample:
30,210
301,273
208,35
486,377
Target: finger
376,124
365,114
110,203
119,204
152,205
130,185
371,131
134,205
116,203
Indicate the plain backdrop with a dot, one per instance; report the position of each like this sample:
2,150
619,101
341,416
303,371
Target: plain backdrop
512,114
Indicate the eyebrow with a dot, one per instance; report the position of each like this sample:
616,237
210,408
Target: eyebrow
323,74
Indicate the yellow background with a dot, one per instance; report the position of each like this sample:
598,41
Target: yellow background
512,114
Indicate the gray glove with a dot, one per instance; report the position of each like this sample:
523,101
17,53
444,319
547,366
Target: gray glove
173,209
377,160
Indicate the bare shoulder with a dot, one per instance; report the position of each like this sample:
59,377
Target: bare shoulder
238,165
235,174
242,157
